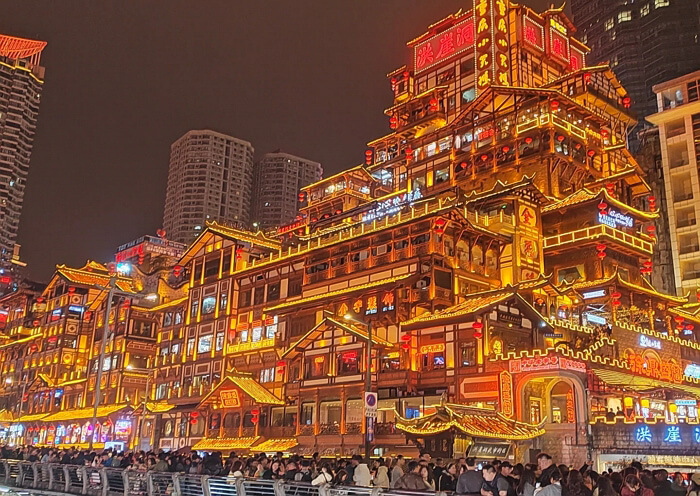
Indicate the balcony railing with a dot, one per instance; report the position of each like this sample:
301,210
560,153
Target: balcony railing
602,230
685,222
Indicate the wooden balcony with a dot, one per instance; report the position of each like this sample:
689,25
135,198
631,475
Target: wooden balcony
627,243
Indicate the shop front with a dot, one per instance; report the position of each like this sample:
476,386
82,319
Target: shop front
657,444
453,430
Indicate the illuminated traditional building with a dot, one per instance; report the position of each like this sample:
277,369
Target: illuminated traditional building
277,179
21,85
494,249
210,178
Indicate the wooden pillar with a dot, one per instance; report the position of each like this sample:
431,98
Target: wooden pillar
343,410
317,419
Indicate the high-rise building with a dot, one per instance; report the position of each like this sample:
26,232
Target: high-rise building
277,179
21,84
678,120
210,178
642,41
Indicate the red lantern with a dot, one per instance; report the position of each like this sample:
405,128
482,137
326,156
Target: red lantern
604,133
409,151
600,247
368,157
302,196
478,326
560,138
406,346
484,157
40,299
462,166
434,105
555,104
603,207
36,323
406,74
616,303
505,149
652,202
440,225
141,258
405,337
177,270
615,295
627,102
338,212
161,233
71,289
678,319
587,77
394,122
314,219
393,84
591,153
528,140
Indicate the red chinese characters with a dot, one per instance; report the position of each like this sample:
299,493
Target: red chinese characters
443,45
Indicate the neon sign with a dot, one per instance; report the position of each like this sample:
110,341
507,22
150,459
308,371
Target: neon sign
545,363
647,342
455,40
505,382
692,370
651,367
593,294
533,33
432,348
392,206
614,218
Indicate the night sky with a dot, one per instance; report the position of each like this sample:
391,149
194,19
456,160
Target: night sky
124,79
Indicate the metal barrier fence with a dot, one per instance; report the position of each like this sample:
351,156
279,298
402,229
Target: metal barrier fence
104,481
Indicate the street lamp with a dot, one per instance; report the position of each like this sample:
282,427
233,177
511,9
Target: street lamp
111,293
368,375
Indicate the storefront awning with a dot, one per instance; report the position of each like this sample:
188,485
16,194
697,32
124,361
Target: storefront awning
476,422
84,413
638,383
226,393
274,445
154,407
225,444
33,417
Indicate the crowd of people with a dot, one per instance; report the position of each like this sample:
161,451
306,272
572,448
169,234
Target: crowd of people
461,476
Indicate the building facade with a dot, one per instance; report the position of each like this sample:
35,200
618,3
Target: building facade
487,270
641,40
277,181
21,85
678,121
210,178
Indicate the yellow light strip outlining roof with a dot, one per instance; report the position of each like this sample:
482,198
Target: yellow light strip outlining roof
331,294
32,417
584,195
165,305
281,444
467,307
476,422
258,238
638,383
84,413
357,168
20,341
593,233
225,444
248,385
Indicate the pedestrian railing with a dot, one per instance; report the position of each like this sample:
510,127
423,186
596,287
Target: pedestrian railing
106,481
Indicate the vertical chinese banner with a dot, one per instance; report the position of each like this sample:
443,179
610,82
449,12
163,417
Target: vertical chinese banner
501,46
492,46
505,382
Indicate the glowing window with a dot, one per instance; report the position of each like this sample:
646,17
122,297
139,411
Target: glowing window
662,3
609,24
644,10
624,16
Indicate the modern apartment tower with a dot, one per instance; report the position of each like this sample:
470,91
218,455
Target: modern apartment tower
277,179
646,42
678,120
209,179
21,84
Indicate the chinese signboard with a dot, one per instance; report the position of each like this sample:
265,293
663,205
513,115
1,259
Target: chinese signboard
489,450
149,244
230,398
505,382
649,438
440,47
533,33
545,363
651,367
